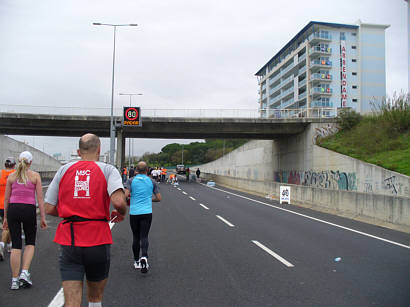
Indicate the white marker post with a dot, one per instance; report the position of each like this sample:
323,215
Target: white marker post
284,194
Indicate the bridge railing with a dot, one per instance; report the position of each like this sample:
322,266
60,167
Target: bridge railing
187,113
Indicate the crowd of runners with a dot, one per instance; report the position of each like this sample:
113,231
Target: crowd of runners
80,194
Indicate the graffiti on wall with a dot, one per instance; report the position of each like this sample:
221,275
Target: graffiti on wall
323,132
319,179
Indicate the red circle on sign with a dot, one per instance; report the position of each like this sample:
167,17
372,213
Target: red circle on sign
133,117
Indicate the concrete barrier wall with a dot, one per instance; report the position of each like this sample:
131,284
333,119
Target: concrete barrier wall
384,210
297,160
41,161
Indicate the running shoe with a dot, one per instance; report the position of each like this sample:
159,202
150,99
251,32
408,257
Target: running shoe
1,252
137,265
9,248
15,285
25,280
144,265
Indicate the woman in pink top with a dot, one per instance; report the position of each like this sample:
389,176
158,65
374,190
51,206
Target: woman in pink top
22,187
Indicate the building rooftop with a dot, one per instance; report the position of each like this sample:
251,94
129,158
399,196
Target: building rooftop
300,34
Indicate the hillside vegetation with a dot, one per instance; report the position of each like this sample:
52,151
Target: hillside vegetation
381,138
193,154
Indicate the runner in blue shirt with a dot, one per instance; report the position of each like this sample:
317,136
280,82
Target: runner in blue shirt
142,191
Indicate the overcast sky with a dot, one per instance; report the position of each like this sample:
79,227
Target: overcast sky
183,54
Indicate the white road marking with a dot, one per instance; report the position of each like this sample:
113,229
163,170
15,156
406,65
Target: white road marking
272,253
191,198
203,206
225,221
316,219
58,300
179,189
183,192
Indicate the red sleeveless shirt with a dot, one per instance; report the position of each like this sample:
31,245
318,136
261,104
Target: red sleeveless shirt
83,193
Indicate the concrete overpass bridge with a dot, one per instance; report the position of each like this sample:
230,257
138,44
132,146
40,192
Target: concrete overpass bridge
154,127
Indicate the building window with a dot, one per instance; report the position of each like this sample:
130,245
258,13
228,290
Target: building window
354,86
354,60
354,100
353,33
353,47
354,73
342,36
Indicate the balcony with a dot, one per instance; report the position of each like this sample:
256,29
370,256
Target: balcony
287,103
302,96
321,104
263,86
273,90
302,70
320,63
318,51
301,58
286,81
287,92
302,83
321,77
317,91
319,37
287,69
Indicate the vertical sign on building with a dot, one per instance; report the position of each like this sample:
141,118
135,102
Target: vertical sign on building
343,74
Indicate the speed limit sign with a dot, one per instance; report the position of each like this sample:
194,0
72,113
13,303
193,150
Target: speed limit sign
132,116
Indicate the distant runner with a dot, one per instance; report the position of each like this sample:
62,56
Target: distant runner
143,191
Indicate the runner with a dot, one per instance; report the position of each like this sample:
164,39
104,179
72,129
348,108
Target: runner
80,193
22,187
9,164
198,172
143,191
187,174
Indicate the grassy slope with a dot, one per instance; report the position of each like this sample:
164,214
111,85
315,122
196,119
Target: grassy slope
372,141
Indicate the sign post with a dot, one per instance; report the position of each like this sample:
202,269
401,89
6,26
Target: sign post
284,194
132,117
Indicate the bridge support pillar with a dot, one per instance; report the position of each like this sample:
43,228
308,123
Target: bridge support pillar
120,158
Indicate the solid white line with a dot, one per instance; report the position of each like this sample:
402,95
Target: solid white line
272,253
191,198
203,206
183,192
317,220
58,300
225,221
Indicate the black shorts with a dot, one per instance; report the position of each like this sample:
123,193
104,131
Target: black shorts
2,213
93,261
17,215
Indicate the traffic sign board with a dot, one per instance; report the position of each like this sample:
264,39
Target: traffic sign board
132,116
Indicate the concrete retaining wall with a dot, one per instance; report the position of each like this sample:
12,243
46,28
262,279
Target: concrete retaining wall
297,160
41,161
384,210
321,178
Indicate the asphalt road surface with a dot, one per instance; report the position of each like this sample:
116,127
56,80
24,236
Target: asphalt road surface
218,247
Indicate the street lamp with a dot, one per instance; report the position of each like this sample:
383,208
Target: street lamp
112,128
130,139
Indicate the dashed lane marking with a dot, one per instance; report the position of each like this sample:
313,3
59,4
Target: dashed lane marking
191,198
183,192
315,219
203,206
225,221
273,254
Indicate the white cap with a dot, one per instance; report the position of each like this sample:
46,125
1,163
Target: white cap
27,156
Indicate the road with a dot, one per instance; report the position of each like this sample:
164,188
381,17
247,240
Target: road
218,247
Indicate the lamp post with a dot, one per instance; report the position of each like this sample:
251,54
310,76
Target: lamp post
112,128
130,139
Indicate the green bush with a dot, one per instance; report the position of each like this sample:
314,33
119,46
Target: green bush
347,119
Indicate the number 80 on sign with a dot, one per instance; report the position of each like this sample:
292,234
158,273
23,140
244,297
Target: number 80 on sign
132,116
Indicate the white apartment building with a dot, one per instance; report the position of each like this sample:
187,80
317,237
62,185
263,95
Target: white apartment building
326,66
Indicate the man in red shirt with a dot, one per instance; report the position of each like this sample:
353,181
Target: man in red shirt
81,193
